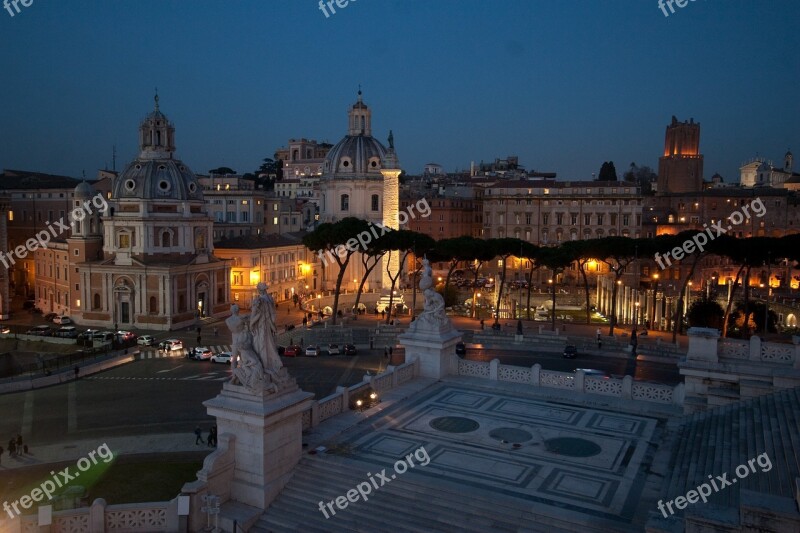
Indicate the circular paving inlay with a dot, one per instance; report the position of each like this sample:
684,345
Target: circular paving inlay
510,435
454,424
572,447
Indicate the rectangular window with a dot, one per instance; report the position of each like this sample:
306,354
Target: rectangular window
545,219
230,217
245,216
626,220
375,202
574,219
559,218
527,218
275,220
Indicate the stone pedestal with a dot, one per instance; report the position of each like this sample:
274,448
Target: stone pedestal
436,350
703,344
268,435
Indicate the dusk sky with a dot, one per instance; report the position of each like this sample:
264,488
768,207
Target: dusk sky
565,84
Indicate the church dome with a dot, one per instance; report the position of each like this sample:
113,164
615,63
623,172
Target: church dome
157,179
84,190
156,174
358,153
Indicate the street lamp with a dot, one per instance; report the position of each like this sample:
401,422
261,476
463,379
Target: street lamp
655,296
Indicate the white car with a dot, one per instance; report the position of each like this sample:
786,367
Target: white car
222,357
201,353
146,340
171,344
62,320
333,349
312,351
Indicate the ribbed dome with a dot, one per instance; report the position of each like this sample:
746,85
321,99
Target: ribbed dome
158,179
84,190
355,155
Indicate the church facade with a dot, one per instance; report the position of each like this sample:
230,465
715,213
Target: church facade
147,261
360,179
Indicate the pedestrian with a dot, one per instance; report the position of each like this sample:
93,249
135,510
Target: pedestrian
390,352
386,353
199,434
19,440
482,323
215,331
288,309
599,344
25,449
598,334
291,341
210,438
301,342
77,372
214,442
11,448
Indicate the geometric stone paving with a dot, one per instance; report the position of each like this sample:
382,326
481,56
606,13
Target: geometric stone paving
574,458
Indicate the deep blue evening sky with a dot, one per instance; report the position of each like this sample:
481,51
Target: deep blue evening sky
564,84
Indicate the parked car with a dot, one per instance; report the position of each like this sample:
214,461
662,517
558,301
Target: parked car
222,357
333,349
68,332
201,353
50,316
146,340
312,351
570,352
461,349
593,372
171,345
292,351
350,349
62,320
103,336
39,330
126,335
5,329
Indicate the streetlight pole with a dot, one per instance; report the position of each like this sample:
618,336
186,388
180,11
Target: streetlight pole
655,296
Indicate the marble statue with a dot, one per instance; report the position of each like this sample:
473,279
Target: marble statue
254,352
262,326
433,317
245,363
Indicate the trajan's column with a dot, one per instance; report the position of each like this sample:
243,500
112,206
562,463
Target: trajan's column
390,168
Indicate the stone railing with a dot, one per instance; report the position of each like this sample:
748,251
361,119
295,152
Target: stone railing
626,387
734,349
100,518
705,345
339,401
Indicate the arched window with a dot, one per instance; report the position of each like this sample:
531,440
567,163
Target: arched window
96,301
345,203
153,305
375,202
166,240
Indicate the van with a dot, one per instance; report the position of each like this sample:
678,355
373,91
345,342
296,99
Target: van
69,332
62,320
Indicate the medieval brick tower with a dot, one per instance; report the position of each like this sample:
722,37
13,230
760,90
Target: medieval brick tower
680,169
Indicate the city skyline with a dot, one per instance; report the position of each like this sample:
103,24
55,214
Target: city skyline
563,89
